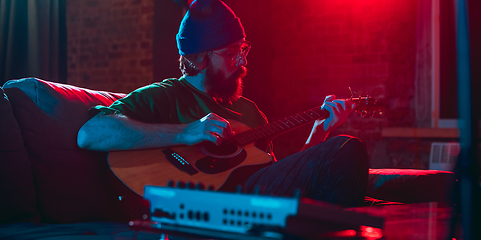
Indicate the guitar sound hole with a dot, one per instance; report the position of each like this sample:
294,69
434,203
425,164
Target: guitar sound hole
213,165
227,148
220,158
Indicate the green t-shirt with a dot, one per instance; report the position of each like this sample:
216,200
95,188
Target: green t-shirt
177,101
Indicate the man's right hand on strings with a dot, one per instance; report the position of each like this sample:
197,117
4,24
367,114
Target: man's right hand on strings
211,128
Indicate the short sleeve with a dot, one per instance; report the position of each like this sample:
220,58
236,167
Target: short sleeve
146,104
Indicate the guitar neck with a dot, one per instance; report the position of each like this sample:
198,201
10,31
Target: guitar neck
280,126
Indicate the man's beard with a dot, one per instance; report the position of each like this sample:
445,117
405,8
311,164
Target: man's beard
224,90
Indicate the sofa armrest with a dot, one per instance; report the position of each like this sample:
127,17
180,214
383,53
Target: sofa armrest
410,185
71,184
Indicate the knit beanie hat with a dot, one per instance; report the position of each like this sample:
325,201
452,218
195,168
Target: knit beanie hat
208,25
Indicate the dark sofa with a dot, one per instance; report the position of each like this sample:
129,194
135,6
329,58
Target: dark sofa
51,188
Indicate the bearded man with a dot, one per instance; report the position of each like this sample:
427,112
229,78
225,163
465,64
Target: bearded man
199,107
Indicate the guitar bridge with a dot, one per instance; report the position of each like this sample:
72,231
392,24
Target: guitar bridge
179,162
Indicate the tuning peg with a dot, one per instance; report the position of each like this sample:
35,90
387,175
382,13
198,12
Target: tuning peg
170,183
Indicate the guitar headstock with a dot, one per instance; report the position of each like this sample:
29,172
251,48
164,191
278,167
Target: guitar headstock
367,106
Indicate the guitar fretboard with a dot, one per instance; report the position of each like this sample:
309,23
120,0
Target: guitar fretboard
280,126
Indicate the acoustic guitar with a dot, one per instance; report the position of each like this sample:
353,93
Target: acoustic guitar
208,163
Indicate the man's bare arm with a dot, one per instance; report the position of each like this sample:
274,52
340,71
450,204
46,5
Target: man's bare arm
118,132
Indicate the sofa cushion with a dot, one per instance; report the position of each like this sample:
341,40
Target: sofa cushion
17,201
409,185
71,184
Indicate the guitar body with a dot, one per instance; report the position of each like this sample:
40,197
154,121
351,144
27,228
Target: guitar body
202,163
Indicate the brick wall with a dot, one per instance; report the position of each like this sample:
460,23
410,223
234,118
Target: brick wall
324,47
110,44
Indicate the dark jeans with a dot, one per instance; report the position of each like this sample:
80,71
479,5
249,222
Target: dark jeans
335,171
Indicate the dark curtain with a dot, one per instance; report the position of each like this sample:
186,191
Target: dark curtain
33,40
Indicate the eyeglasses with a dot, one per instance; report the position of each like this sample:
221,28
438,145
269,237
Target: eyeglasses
234,53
